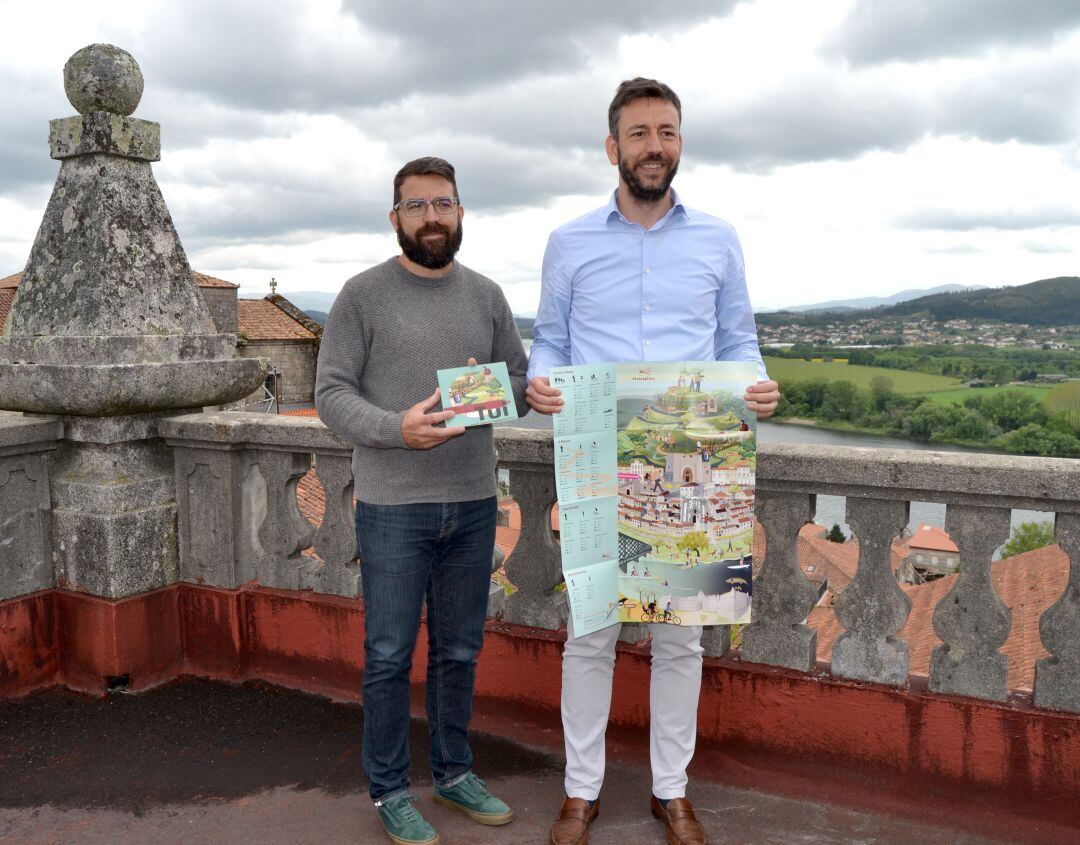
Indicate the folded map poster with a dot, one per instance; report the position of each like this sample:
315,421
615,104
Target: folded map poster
478,395
654,470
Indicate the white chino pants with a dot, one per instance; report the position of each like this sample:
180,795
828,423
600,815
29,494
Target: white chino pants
675,684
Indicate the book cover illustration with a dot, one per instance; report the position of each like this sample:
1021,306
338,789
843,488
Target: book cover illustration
478,395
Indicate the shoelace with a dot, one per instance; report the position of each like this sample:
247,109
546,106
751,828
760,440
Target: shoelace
477,784
405,809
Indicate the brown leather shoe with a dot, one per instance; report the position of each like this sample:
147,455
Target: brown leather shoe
572,825
682,825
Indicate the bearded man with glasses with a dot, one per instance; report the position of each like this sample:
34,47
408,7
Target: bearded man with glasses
425,516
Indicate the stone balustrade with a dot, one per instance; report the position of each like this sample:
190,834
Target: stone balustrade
239,518
239,521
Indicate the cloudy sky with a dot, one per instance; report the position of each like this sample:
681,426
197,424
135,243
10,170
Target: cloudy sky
859,146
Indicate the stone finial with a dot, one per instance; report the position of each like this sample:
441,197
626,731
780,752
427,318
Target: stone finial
101,77
107,319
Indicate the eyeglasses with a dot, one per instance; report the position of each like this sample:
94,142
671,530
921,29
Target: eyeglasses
418,208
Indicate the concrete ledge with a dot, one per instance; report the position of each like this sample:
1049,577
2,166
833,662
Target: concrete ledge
241,429
1013,481
524,446
111,389
19,434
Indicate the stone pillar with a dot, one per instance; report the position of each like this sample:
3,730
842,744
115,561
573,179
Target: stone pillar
535,566
108,331
1057,678
25,517
873,608
972,620
783,596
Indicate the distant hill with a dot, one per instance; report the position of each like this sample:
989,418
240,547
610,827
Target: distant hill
1048,302
839,305
318,316
525,326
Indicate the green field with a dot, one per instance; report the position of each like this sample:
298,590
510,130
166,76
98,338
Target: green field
959,395
903,381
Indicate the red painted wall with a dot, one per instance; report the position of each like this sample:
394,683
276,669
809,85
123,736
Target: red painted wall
853,743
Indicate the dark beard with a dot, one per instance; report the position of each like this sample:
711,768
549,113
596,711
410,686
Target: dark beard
637,189
435,257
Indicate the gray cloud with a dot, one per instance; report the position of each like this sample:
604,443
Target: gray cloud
382,51
993,219
818,117
1046,248
876,31
956,249
836,115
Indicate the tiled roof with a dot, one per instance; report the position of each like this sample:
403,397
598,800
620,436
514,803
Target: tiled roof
930,538
204,281
300,412
824,562
310,497
7,296
11,281
1027,583
260,319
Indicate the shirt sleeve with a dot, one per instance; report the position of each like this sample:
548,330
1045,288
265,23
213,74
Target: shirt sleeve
339,398
551,331
736,332
506,346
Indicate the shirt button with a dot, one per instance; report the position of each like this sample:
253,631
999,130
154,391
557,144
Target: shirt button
648,308
648,269
648,343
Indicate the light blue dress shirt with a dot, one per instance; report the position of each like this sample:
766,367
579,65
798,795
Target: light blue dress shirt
613,291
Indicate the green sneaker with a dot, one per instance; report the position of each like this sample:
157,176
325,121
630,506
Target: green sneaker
470,796
403,822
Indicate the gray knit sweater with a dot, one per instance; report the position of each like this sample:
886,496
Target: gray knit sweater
387,334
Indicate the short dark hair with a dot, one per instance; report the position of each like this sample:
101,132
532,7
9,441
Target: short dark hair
428,165
637,89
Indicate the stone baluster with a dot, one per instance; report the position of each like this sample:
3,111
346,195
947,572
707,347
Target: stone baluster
335,538
209,500
283,532
1057,678
873,608
535,566
25,521
971,620
782,595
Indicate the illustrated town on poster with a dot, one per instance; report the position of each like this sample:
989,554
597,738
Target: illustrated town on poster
671,449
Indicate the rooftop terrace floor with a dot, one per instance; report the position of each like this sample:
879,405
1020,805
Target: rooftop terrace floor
197,762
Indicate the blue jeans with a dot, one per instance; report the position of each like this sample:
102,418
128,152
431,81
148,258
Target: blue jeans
441,553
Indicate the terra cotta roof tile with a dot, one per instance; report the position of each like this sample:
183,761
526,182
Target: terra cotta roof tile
261,320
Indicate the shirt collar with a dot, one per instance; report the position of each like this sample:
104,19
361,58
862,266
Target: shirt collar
677,208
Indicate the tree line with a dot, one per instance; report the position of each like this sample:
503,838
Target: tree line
1009,420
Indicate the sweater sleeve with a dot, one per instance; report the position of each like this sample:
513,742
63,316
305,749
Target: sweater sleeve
339,396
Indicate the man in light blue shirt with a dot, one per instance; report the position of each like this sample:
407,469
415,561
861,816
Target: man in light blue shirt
641,279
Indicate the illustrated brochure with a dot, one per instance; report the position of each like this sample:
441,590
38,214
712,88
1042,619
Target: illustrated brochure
478,395
654,468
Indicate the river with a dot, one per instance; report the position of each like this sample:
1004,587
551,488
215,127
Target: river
830,509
